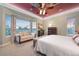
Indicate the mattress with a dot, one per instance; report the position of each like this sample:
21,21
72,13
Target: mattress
56,45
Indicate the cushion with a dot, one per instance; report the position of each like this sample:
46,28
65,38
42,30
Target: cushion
75,36
77,40
23,33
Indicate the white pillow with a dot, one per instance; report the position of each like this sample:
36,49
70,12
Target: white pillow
77,40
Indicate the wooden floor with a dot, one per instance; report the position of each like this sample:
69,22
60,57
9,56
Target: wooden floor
24,49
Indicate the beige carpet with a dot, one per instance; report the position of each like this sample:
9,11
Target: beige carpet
25,49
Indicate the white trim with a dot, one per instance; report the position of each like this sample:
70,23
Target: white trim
21,10
64,12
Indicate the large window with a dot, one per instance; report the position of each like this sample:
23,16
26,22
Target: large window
8,25
71,26
34,27
22,25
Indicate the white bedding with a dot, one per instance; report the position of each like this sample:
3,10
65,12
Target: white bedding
56,45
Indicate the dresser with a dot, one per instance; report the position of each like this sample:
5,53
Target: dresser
52,31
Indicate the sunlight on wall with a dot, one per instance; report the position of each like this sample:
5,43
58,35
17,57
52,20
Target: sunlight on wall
51,24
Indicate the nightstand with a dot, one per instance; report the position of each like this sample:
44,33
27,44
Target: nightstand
34,42
17,38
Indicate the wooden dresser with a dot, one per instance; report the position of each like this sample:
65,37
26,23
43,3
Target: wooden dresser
52,31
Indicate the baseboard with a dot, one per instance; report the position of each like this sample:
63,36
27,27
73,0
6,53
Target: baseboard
25,41
2,45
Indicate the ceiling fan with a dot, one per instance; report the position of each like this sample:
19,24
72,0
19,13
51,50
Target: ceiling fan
43,7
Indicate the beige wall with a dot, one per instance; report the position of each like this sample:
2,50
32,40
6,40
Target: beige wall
61,22
0,27
77,21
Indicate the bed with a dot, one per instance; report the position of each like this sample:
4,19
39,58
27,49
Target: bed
56,45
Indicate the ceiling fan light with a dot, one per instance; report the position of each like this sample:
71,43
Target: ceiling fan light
40,11
44,11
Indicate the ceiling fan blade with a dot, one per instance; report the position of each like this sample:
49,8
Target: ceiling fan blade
50,7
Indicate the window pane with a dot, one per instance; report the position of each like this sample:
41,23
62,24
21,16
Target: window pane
71,26
34,28
22,26
8,25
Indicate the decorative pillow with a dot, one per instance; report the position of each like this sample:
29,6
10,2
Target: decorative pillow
75,36
77,40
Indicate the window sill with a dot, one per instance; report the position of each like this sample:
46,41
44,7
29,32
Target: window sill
8,36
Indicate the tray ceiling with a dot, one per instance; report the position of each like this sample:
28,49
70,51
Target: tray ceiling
34,8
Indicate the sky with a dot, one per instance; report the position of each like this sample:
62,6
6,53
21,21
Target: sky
20,23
